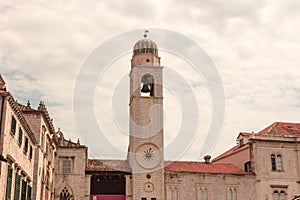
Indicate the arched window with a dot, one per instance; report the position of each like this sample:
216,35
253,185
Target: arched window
147,85
276,195
200,194
170,193
273,162
205,194
232,193
282,195
65,194
279,163
235,194
175,194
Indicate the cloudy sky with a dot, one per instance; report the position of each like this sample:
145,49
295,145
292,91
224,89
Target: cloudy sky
254,45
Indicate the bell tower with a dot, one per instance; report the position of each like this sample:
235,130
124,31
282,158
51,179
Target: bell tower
146,141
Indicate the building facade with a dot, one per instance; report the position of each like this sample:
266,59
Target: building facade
38,163
18,144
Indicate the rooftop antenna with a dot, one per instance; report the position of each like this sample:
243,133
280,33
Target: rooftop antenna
145,34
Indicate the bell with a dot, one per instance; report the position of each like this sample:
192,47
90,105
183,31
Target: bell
146,88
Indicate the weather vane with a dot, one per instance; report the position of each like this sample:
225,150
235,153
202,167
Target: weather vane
145,34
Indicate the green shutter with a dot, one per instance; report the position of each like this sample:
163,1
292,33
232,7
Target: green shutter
17,187
9,182
26,145
13,124
24,187
20,135
28,192
30,152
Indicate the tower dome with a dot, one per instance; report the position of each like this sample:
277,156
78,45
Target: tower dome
145,45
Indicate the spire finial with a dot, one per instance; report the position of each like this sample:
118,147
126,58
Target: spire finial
28,105
145,34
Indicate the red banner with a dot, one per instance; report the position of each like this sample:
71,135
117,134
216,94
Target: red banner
107,197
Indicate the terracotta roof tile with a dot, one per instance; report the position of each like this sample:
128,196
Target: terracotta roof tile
231,151
282,128
201,167
176,166
245,134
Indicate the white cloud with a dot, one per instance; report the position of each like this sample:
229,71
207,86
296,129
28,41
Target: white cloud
254,44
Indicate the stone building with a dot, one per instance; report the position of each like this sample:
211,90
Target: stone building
17,144
71,180
41,125
273,155
43,165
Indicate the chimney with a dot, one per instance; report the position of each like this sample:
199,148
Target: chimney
207,159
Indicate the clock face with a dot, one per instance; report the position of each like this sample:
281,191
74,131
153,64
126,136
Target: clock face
148,155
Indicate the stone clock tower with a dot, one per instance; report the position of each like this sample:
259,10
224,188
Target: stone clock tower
146,154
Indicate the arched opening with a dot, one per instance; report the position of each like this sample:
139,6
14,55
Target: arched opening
147,86
65,194
276,195
282,195
273,162
279,163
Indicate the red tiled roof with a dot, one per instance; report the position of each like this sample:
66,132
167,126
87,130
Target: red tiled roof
282,128
244,134
231,151
176,166
201,167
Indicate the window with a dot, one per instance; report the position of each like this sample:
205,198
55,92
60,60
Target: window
9,183
65,194
282,195
175,194
273,162
172,192
20,136
279,195
30,152
29,192
24,187
241,142
276,195
279,163
247,166
153,198
202,193
143,198
13,124
232,193
66,166
26,145
276,162
17,187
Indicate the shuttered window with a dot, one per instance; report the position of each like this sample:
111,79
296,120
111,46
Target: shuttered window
17,187
13,124
24,187
9,182
20,136
28,192
26,145
30,152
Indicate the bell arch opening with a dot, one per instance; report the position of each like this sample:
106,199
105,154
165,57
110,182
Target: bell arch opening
147,85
